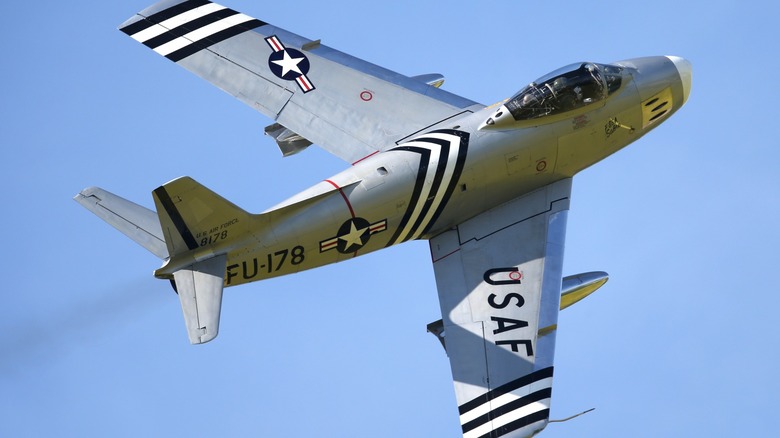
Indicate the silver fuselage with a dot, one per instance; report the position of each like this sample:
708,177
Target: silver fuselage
405,193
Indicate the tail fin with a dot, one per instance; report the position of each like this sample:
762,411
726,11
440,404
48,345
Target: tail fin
199,226
193,229
194,217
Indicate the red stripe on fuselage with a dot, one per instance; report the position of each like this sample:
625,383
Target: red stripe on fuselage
343,195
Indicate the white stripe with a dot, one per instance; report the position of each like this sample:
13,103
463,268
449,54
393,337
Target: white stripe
304,83
275,44
452,162
203,32
186,17
425,191
505,398
507,418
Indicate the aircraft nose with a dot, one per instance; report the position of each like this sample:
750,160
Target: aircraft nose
661,74
685,70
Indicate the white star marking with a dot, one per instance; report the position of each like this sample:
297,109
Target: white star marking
289,64
355,236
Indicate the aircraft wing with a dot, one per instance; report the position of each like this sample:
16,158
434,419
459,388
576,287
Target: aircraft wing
348,106
499,281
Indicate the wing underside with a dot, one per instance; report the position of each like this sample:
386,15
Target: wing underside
499,281
348,106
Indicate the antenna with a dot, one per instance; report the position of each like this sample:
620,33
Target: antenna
572,417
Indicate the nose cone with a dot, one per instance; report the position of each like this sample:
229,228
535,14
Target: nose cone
685,71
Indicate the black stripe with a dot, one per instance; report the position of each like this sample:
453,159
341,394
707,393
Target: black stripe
441,166
422,172
186,28
459,164
178,221
218,37
542,415
509,407
505,388
132,29
163,15
658,115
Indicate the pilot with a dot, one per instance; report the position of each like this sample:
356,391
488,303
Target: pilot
592,88
528,100
566,97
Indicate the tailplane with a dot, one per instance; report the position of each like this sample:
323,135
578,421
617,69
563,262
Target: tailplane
200,292
192,230
136,222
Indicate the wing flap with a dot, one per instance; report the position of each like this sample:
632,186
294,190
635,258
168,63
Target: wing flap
499,281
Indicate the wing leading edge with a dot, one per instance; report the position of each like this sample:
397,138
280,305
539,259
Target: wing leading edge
499,281
348,106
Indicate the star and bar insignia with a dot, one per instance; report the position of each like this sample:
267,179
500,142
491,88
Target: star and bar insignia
353,235
289,64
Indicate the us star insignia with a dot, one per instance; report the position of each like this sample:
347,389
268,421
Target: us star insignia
289,64
353,235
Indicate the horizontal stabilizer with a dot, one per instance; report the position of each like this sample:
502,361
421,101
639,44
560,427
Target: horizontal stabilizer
200,292
134,221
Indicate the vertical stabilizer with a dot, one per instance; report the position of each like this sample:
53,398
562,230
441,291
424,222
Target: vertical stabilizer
193,217
199,228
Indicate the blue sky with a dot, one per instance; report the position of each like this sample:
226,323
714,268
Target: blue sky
680,342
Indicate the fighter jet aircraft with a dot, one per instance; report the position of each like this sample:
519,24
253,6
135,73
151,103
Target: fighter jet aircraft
487,186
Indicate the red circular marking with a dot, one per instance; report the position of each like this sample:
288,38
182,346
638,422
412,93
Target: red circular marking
540,166
514,275
366,95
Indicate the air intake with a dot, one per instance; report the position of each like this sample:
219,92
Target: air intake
657,107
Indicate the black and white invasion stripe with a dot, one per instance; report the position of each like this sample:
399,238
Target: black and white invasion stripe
510,407
442,157
189,27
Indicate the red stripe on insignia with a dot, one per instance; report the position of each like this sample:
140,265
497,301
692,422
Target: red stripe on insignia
378,227
304,83
274,43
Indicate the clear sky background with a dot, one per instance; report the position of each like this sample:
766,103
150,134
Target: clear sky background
682,341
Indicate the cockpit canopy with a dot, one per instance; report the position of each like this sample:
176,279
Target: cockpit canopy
566,89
